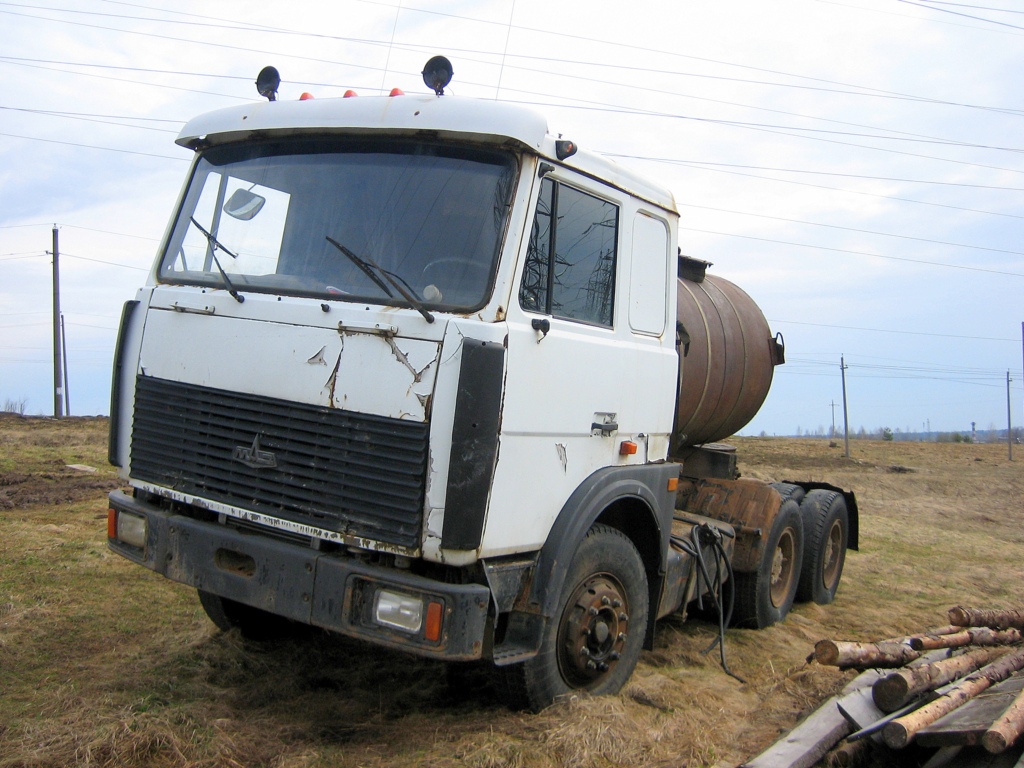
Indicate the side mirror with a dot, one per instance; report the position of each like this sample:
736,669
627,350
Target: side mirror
243,204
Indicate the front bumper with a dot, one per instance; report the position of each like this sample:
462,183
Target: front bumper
329,590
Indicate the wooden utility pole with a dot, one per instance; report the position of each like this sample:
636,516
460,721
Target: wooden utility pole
846,418
58,379
64,359
1009,424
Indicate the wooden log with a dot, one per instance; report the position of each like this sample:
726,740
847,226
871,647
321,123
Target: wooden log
1007,729
972,636
901,731
850,753
946,630
980,617
837,653
967,725
897,688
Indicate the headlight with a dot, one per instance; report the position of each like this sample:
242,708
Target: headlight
393,609
132,530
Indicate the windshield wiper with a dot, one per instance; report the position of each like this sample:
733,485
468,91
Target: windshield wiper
373,269
361,264
214,245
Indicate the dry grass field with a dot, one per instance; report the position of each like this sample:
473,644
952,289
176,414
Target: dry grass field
104,664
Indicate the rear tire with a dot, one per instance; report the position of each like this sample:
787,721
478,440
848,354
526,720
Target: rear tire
764,596
827,524
593,641
790,491
253,623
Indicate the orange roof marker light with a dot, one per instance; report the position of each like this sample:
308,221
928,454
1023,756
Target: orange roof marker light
397,92
349,94
306,96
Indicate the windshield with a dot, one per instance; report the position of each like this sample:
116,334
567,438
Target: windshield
396,222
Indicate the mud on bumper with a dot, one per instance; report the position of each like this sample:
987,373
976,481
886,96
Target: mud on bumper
327,590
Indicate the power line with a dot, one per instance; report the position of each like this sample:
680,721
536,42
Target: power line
862,231
93,146
905,136
853,191
109,232
108,263
123,79
855,253
73,116
674,161
964,15
975,7
918,18
890,330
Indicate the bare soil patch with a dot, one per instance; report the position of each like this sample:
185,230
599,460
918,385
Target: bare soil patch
106,664
36,455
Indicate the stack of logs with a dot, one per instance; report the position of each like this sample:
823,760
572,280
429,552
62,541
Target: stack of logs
984,648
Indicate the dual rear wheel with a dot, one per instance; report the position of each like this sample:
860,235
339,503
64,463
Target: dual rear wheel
802,559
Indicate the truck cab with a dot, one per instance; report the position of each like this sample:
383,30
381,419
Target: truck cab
406,368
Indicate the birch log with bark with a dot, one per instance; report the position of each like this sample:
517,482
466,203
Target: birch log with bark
972,636
897,688
1007,729
901,731
837,653
980,617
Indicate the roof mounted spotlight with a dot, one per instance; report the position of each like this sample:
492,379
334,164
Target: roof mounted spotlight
267,83
437,73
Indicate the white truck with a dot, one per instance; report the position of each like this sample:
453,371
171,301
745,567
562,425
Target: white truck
414,370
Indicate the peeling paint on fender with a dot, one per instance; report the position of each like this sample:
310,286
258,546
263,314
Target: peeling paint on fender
332,382
562,457
318,358
404,360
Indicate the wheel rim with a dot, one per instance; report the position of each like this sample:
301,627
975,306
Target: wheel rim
831,555
595,625
782,568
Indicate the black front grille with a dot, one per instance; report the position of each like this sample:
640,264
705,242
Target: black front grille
341,471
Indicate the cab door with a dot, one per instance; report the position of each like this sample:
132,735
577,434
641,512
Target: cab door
581,378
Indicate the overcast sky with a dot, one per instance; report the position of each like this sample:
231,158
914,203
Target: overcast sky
855,166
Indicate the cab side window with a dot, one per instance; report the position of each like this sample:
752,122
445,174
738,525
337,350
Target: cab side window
570,263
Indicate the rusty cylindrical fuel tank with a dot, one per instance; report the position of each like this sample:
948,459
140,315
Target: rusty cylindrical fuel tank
726,357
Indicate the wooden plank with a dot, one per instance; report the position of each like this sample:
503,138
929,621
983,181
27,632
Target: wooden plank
973,757
811,740
968,724
859,710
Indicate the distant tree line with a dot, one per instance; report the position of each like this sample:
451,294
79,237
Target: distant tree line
991,435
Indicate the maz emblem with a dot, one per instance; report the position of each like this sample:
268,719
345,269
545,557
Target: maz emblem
253,456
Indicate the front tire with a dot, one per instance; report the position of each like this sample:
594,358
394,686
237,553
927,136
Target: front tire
253,623
764,596
593,641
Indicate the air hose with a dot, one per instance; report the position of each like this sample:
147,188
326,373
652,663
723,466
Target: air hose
702,536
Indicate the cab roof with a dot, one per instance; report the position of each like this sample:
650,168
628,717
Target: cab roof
447,118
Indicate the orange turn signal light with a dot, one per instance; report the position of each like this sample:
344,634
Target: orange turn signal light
111,523
627,448
673,484
432,631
